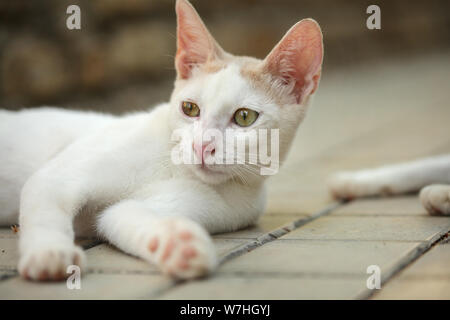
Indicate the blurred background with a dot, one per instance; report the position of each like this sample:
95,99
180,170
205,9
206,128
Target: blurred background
122,58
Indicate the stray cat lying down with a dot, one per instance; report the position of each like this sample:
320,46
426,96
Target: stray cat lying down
72,170
431,176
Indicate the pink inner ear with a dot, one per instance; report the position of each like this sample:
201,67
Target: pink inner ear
187,56
298,57
195,45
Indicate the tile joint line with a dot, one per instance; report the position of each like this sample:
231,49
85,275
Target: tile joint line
279,232
406,261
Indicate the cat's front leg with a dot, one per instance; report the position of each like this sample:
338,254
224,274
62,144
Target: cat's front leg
46,240
180,247
170,222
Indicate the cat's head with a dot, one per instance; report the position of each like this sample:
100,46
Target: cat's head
218,92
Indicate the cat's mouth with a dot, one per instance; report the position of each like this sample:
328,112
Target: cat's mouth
211,173
210,169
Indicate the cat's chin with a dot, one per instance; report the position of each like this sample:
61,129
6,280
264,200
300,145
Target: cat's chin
210,175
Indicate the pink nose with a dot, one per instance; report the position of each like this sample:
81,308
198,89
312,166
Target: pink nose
202,150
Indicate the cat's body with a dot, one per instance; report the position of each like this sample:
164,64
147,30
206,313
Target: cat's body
26,147
98,163
115,176
430,176
109,165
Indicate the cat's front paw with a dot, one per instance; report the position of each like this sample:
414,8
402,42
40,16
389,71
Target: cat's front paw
182,249
50,264
350,185
436,199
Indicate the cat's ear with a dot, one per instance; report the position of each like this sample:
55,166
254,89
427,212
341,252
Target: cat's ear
195,45
297,59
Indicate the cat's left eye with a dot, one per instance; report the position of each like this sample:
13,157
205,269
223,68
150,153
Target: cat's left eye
245,117
190,109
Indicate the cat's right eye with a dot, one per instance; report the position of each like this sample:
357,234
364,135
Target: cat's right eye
190,109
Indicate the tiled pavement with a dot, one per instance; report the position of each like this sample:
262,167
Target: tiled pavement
365,116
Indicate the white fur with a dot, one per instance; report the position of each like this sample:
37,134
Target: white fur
114,175
398,179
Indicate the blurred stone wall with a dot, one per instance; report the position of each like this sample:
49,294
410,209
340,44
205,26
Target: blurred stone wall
123,53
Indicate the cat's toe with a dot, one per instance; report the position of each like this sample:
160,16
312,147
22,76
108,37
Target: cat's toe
436,199
183,249
50,264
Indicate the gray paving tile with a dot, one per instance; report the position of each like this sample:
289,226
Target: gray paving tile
314,257
399,205
415,289
107,259
93,286
249,287
434,263
411,228
282,202
266,224
9,255
426,278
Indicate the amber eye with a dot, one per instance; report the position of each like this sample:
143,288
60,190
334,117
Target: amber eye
245,117
190,109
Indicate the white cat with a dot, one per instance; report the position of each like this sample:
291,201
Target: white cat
115,174
431,176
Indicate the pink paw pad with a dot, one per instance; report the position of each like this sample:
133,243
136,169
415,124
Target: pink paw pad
185,235
189,252
181,249
183,264
153,244
177,248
